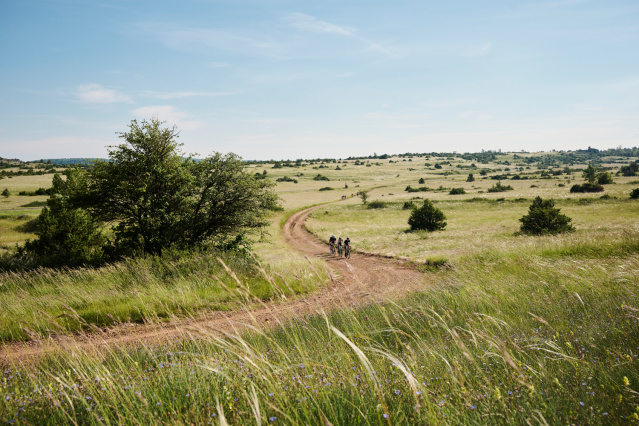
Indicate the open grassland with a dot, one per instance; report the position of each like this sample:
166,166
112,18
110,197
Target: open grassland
472,227
523,330
46,302
523,338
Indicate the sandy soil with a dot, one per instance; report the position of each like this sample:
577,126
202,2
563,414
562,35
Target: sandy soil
355,282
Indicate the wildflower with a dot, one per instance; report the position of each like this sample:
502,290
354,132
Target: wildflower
472,407
626,381
581,403
272,419
385,415
396,392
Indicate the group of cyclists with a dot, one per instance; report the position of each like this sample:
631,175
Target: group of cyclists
339,246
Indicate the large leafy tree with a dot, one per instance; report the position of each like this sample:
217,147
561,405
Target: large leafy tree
158,198
67,234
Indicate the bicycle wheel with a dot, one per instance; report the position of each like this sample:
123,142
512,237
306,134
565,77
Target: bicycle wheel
347,252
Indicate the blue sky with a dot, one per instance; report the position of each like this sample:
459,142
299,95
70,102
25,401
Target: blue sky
325,78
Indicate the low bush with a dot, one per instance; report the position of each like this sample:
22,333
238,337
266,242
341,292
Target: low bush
498,187
408,205
604,179
634,194
428,217
457,191
586,187
376,204
326,188
286,179
543,218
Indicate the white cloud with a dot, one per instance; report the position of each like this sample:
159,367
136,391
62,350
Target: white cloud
306,22
180,95
96,94
478,50
169,114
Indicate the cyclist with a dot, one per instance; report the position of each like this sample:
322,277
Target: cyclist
332,241
340,247
347,247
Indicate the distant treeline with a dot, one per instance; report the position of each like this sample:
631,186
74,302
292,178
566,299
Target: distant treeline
555,158
69,161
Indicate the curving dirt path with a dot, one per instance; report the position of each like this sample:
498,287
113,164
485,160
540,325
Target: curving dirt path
355,281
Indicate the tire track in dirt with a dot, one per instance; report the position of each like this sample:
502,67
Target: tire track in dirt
355,282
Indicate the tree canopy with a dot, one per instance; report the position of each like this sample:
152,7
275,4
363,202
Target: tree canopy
149,196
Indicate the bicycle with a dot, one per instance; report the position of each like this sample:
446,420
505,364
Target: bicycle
347,252
332,248
340,251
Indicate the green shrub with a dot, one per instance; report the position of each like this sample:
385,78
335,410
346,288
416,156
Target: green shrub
421,181
543,218
286,179
326,188
6,193
586,187
457,191
631,169
604,179
376,204
498,187
470,178
634,194
428,217
320,177
408,205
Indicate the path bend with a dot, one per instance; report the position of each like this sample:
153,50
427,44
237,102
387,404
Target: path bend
356,281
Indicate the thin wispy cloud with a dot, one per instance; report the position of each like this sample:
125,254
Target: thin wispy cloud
181,95
306,22
169,114
478,50
96,94
191,39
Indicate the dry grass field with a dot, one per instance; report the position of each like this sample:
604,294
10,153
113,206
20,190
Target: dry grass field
512,329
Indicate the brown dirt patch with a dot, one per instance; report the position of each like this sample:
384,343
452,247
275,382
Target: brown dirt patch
356,281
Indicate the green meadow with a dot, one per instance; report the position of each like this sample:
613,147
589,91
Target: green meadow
516,329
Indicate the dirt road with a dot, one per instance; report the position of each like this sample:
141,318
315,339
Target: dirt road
357,281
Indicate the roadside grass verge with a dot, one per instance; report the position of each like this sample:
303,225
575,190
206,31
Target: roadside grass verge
48,301
503,339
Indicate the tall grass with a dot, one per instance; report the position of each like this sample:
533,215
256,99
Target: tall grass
504,339
47,301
